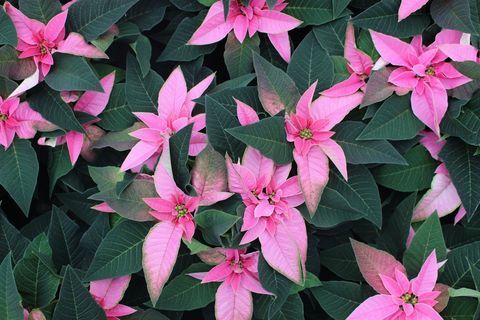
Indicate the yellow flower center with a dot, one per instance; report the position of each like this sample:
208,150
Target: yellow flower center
3,117
430,71
410,298
306,134
181,210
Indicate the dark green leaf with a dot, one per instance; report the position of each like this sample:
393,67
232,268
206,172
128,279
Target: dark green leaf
470,69
313,12
459,262
331,36
41,10
90,241
146,13
59,165
10,301
143,51
179,145
460,309
8,34
214,223
453,14
341,261
117,114
12,67
238,56
11,240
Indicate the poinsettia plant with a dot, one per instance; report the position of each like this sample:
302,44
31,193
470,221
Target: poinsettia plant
239,159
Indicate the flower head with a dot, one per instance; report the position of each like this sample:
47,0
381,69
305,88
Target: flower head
108,293
40,41
241,18
175,106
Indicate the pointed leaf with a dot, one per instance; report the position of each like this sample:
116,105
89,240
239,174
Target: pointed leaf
8,34
10,300
41,10
11,240
238,56
179,145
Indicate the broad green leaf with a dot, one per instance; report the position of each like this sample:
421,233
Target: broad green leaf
6,86
276,90
313,12
470,69
311,62
383,17
185,293
238,56
72,73
41,10
463,292
340,298
365,43
117,114
311,281
179,145
120,252
464,169
187,5
341,261
235,83
8,34
208,3
460,309
59,165
292,309
19,172
90,241
63,236
79,204
51,106
460,260
177,48
453,14
393,121
143,51
92,18
215,223
364,152
149,314
427,238
268,136
10,301
219,117
417,175
119,140
146,13
12,67
331,36
11,240
75,302
35,275
466,124
141,92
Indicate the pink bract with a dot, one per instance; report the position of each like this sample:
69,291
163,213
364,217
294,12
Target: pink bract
108,293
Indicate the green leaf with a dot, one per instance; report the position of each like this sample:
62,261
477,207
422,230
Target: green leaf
219,117
142,92
214,223
460,309
63,236
341,261
427,238
8,34
120,252
146,13
187,5
41,10
90,241
11,240
177,48
238,56
51,106
383,17
12,67
311,62
340,298
119,140
179,145
92,18
393,121
35,275
268,136
463,292
331,36
72,73
460,260
464,169
59,165
470,69
117,114
143,51
364,152
417,175
276,89
185,293
10,301
312,12
19,171
453,14
466,124
292,309
75,302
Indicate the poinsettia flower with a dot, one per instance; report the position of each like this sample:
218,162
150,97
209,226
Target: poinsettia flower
407,7
108,293
424,71
270,198
399,297
242,18
18,119
174,210
359,66
310,129
39,41
442,197
175,106
92,103
239,276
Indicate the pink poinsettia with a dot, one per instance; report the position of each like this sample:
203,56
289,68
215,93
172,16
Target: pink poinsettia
175,106
239,276
359,65
108,293
442,197
407,7
256,16
310,129
271,198
39,41
18,119
92,103
398,298
35,314
423,70
174,211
